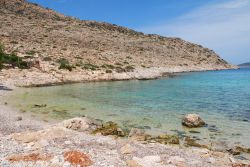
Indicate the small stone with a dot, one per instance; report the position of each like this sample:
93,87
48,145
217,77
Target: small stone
232,159
192,121
68,142
218,154
19,118
43,143
127,149
148,161
211,160
176,160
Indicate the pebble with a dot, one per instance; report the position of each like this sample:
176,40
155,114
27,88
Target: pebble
68,142
19,118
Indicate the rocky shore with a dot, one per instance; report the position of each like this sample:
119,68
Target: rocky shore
42,48
25,141
46,77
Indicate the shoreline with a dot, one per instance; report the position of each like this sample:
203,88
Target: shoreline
38,78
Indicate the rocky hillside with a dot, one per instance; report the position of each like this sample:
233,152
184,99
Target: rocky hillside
56,42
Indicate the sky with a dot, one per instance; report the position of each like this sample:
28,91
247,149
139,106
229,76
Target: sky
221,25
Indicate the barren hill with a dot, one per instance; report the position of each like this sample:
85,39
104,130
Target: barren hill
92,50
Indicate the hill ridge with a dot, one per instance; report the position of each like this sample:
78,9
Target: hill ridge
107,50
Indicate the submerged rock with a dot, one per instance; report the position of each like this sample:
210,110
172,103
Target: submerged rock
167,139
237,150
39,105
191,142
110,128
192,121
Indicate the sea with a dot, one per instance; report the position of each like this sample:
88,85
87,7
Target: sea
221,98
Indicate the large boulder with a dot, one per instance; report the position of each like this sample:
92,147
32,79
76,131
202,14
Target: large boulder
193,121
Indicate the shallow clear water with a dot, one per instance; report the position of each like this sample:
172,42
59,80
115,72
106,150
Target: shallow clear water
222,98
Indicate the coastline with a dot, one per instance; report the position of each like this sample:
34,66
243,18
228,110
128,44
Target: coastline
102,150
40,77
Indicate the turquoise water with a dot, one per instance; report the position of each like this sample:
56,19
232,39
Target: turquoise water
222,98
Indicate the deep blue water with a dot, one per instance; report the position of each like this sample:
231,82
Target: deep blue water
222,98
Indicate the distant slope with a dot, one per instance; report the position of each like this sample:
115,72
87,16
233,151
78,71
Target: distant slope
37,33
245,64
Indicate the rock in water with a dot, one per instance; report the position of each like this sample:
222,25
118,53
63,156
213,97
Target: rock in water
192,121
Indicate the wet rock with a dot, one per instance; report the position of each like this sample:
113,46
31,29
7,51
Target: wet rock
39,105
110,128
181,134
167,139
191,142
77,158
127,149
237,150
213,128
240,157
193,131
192,121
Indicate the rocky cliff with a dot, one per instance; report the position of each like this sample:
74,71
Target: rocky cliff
92,50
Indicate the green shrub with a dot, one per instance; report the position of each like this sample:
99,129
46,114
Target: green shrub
108,71
120,69
89,66
129,68
31,52
108,66
11,60
64,64
47,59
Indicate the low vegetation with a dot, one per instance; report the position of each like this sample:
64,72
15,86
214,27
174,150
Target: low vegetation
11,60
64,64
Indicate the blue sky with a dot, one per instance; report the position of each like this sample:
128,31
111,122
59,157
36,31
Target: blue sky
222,25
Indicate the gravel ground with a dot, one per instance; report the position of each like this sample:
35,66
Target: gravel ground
14,121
